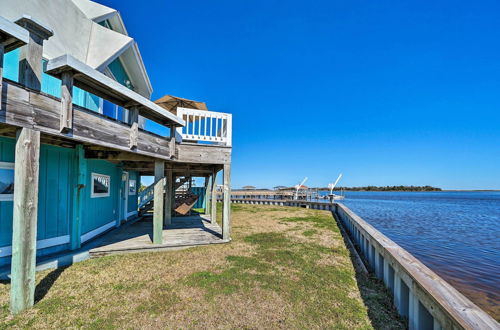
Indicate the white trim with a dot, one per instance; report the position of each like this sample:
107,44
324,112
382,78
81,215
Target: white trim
6,251
98,195
93,233
7,165
131,214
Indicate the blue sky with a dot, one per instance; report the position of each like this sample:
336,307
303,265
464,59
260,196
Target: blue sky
386,92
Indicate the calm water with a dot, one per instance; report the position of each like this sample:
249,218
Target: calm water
456,234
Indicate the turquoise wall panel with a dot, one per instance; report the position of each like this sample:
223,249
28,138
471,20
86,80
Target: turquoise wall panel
55,182
57,177
7,152
132,199
11,65
99,211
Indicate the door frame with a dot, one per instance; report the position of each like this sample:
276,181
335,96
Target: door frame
125,188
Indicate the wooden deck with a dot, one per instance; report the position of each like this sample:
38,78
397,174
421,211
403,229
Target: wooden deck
138,236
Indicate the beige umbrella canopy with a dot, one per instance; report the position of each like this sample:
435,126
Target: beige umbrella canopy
171,103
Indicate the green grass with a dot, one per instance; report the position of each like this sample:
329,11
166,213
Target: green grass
285,268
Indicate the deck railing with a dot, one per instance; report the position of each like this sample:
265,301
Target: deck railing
205,126
146,195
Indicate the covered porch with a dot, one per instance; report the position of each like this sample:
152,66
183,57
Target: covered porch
137,236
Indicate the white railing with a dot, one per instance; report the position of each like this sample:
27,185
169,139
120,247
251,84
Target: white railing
205,126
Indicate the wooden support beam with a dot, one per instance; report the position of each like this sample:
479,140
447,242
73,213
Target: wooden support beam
207,194
226,203
134,127
30,59
169,196
78,197
213,201
66,123
25,220
158,202
172,142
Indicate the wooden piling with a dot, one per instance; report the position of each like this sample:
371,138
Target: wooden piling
226,203
25,219
158,202
213,200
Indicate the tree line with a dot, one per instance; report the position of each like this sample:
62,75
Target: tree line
386,188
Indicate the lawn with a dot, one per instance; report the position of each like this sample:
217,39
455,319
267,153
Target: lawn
285,268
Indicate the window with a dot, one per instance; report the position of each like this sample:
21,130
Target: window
132,189
6,181
100,185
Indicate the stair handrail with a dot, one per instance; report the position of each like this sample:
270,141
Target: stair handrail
146,195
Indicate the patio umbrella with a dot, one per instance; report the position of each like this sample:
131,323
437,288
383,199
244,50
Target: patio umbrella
171,103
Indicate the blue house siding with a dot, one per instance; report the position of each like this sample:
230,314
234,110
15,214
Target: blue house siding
7,152
100,211
58,177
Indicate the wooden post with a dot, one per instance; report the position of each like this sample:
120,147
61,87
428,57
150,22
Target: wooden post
25,220
207,194
158,202
134,127
78,194
226,203
168,198
208,199
30,59
213,200
66,124
172,141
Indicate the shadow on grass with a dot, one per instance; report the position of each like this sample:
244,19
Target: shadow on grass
47,282
376,297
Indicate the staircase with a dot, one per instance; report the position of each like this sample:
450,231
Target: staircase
146,197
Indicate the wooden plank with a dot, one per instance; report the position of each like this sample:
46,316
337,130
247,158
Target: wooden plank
66,122
213,201
158,201
200,153
169,195
78,194
226,203
25,219
16,108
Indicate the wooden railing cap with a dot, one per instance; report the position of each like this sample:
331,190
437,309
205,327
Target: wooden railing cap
12,36
34,26
99,84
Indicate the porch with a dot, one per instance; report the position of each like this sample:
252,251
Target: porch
138,236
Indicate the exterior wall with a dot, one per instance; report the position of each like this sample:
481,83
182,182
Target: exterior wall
58,177
101,211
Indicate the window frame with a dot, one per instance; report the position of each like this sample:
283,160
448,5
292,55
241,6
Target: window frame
99,195
7,166
135,187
